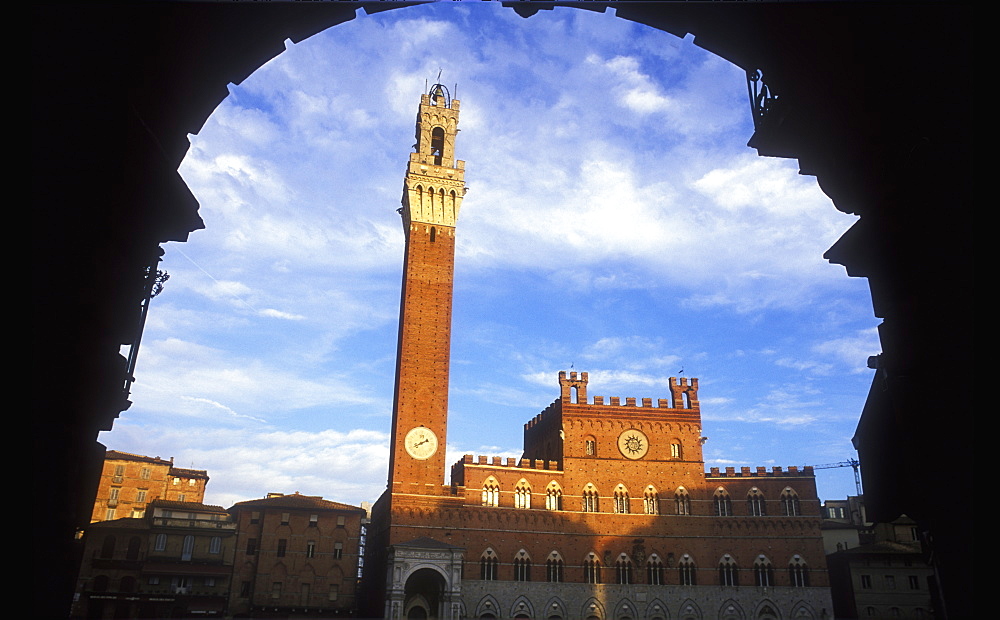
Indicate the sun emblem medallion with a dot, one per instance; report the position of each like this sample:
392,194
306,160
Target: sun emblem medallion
633,444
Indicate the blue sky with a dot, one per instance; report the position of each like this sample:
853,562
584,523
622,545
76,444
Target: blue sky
615,222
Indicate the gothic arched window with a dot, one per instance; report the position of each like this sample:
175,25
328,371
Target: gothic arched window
592,569
798,572
722,503
654,571
590,499
763,572
683,501
790,503
554,568
756,506
623,570
728,573
491,492
651,501
621,500
522,495
553,496
522,566
686,569
437,145
489,564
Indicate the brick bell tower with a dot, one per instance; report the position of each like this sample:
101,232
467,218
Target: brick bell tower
432,196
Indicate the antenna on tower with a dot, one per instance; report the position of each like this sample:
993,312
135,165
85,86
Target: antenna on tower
439,76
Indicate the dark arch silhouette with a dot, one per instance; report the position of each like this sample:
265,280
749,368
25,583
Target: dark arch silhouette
424,594
116,89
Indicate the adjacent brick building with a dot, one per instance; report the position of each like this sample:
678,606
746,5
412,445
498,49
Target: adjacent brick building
129,482
608,514
174,562
296,555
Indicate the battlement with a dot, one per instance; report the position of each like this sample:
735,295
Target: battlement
511,462
683,395
761,472
495,462
566,386
543,416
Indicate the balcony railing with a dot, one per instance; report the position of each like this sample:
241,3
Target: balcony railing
204,524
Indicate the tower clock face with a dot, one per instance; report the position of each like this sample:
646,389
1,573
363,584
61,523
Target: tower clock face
421,443
633,444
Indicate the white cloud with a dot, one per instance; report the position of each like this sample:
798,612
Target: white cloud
278,314
223,289
192,380
807,365
348,467
853,351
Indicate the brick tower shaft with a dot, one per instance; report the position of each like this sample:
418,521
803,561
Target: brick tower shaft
432,196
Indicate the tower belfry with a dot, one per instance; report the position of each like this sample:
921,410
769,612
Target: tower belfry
432,196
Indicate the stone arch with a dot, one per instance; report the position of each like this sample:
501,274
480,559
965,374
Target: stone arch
766,609
592,608
656,610
731,610
626,609
802,610
165,126
522,608
488,607
424,588
554,609
689,610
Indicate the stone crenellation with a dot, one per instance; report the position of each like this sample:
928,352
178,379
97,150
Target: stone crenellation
573,390
760,472
499,461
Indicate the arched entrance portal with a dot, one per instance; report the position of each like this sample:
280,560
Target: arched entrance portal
424,580
424,595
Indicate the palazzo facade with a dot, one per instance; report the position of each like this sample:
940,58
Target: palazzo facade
609,513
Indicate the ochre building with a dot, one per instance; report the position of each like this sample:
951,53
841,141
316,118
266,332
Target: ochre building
608,514
129,482
296,556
